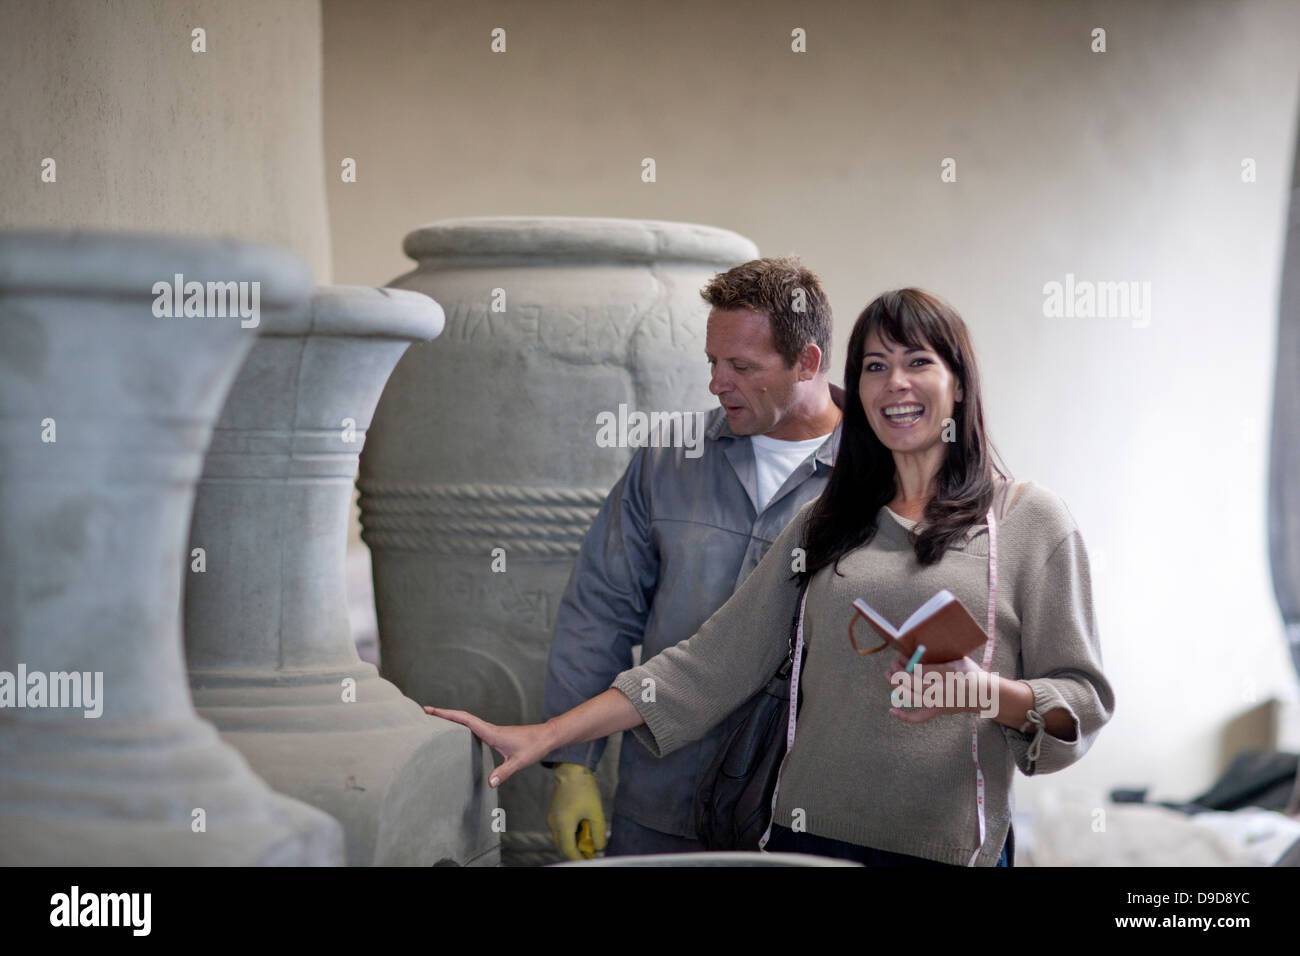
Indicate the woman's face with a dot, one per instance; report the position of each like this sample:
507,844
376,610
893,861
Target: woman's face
907,394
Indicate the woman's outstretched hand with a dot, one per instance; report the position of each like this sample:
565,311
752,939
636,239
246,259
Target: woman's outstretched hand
602,715
522,746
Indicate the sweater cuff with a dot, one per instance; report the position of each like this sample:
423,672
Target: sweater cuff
655,733
587,755
1039,751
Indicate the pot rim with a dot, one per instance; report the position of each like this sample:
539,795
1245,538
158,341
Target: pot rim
550,239
123,264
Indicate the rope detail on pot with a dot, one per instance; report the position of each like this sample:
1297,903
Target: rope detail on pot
475,518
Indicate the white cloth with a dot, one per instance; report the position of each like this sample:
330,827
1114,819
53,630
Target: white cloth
775,460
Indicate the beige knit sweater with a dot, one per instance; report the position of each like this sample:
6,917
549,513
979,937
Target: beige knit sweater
855,772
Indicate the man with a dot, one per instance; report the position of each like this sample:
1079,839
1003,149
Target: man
678,534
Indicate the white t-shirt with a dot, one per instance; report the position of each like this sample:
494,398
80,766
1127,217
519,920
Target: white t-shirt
776,459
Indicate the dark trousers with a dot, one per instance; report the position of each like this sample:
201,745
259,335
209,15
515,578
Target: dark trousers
785,840
631,839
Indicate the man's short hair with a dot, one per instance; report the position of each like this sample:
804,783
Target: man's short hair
789,294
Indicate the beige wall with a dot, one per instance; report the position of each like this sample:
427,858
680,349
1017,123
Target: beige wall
1116,166
147,134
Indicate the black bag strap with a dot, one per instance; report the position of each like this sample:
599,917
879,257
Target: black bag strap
788,666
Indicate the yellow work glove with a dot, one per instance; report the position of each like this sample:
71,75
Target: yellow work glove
575,803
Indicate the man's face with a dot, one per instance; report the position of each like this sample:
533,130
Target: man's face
750,377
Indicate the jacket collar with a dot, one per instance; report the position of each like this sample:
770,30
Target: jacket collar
825,454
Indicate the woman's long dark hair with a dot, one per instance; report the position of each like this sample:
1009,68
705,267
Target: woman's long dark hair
863,479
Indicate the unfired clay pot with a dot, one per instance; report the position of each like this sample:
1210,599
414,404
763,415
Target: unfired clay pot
270,653
92,541
483,449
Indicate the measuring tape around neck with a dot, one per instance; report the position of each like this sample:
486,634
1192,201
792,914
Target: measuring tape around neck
988,659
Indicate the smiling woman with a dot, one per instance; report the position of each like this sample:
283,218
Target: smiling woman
914,435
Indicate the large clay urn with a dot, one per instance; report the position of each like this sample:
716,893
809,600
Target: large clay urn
271,657
483,470
119,351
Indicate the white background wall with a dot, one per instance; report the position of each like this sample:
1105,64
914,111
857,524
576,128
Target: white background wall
1117,166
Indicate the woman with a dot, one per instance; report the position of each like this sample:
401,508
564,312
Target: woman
906,513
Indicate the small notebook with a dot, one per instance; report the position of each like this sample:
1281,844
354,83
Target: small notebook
942,624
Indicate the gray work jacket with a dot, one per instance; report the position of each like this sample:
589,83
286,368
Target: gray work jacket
674,538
